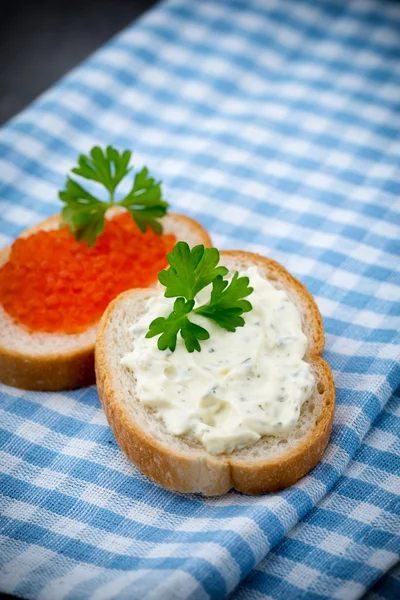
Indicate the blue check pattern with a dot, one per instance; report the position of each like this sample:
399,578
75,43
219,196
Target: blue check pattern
276,125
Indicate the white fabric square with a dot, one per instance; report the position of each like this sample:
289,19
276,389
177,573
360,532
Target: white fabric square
302,576
334,543
367,513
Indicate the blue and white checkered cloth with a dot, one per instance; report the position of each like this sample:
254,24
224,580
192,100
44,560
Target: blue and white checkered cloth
276,123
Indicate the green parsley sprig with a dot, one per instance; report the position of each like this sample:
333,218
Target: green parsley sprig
85,214
189,272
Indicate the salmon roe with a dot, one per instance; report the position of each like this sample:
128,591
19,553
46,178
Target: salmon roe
54,283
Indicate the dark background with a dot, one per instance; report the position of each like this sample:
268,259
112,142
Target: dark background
41,40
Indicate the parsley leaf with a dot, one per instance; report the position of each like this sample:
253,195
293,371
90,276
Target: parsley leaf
178,321
190,270
85,214
226,304
145,203
82,212
107,168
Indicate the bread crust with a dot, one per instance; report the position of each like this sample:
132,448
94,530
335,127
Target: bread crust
68,370
198,471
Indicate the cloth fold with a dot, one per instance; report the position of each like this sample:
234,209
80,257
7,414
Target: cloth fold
276,125
351,539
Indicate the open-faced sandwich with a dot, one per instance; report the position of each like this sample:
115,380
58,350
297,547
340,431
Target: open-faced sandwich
234,393
57,278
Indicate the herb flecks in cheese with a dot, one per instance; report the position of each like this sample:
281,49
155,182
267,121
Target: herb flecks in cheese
241,385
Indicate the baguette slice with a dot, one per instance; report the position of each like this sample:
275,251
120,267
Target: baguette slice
183,465
60,361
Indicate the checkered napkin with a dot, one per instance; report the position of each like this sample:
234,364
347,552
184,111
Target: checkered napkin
275,123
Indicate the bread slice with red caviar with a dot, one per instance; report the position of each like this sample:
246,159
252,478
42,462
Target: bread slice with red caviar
60,361
181,464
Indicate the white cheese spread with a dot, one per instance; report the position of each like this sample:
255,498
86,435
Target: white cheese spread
241,385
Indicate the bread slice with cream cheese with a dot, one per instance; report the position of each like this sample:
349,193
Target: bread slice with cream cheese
60,361
179,462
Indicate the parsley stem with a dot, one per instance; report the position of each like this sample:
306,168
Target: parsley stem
111,198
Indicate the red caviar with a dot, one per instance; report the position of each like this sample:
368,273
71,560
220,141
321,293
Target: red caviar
54,283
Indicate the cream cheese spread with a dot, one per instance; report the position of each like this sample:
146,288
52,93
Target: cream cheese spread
241,385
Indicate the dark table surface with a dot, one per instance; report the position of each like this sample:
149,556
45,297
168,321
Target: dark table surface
40,41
